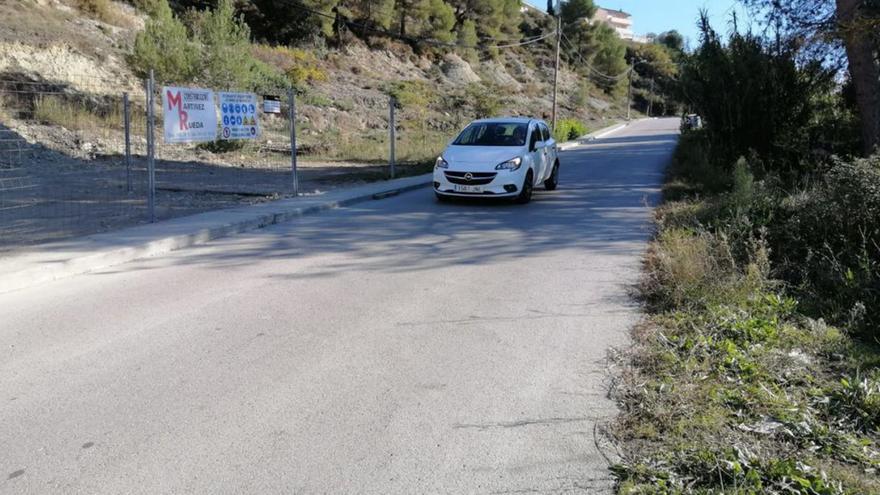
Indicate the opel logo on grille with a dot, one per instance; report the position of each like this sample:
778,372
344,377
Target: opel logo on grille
468,176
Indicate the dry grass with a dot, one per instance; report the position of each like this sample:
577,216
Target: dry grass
55,110
728,389
104,11
412,146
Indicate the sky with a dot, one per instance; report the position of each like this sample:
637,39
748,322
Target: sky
656,16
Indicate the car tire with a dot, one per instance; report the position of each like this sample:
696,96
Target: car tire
552,181
525,193
442,198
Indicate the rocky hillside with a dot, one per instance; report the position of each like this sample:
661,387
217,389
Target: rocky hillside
84,45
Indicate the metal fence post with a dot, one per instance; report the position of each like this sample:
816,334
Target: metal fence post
393,131
151,150
126,111
291,100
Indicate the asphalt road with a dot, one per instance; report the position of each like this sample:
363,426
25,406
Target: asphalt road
396,346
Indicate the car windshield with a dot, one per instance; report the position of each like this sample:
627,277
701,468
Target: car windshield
493,134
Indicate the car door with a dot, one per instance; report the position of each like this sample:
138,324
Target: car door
536,149
549,150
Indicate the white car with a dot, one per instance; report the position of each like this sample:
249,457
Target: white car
498,158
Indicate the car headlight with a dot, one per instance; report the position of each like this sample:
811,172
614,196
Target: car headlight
510,164
441,163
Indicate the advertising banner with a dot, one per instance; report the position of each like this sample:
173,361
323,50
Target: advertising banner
190,115
238,113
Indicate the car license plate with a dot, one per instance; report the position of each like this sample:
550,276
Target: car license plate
468,189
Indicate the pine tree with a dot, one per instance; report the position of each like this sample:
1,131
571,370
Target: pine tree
225,41
467,36
379,13
164,47
439,20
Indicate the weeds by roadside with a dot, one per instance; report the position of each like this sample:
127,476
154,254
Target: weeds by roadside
731,388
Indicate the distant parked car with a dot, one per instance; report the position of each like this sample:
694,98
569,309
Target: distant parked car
498,158
692,121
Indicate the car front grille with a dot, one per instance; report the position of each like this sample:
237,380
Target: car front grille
476,178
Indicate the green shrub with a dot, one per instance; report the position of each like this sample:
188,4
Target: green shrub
569,130
103,10
218,54
411,93
694,164
165,47
467,36
226,60
150,7
298,65
827,244
484,100
857,401
755,93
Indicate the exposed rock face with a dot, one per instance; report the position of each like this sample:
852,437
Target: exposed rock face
599,104
498,75
457,70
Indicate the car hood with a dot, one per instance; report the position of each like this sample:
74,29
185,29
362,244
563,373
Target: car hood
482,156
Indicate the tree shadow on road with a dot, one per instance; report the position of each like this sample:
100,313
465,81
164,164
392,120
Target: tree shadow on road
602,205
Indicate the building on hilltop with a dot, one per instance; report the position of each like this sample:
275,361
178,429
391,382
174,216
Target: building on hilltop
621,21
618,19
527,7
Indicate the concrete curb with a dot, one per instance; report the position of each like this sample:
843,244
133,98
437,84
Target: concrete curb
100,251
592,136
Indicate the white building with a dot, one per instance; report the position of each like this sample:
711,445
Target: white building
618,19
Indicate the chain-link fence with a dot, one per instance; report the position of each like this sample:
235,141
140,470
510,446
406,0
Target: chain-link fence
63,170
192,177
75,155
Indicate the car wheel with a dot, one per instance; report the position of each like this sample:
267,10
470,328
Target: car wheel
442,198
525,193
552,181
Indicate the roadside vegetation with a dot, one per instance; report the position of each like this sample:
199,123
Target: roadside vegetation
258,46
758,368
446,62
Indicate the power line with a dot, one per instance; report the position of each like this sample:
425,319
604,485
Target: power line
592,69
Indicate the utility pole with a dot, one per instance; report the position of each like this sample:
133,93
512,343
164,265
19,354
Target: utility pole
629,92
651,98
556,71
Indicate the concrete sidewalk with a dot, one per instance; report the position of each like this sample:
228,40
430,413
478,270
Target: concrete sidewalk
86,254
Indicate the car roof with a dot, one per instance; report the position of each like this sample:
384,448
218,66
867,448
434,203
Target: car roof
517,120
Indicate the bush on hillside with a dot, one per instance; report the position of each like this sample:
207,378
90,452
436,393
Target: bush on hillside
569,130
467,37
164,46
103,10
226,58
217,55
411,94
827,243
484,99
149,7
